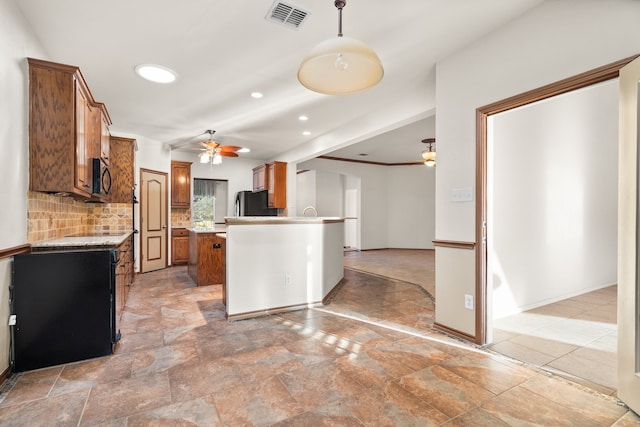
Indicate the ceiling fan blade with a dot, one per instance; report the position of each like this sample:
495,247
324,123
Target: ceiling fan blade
230,148
228,154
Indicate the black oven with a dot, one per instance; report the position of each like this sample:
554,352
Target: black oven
101,178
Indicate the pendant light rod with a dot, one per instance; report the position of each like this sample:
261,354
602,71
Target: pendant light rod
340,4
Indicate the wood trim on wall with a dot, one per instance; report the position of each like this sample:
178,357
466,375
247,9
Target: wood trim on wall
588,78
454,332
454,244
15,250
341,159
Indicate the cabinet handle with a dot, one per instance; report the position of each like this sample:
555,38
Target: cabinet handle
216,246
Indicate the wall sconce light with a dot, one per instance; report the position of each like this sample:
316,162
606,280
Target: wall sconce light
429,155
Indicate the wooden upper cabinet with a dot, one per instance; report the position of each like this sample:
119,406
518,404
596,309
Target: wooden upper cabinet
122,152
180,184
65,129
277,184
82,170
105,135
260,178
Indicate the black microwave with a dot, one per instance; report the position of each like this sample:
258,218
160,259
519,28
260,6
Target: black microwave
101,178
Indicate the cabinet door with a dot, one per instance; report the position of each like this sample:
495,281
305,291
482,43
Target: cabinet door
105,137
259,178
277,184
122,153
82,169
179,250
181,185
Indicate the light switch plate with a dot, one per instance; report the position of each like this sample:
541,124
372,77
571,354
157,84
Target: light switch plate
464,194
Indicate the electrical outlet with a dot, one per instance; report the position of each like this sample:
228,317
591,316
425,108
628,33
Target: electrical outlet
287,280
468,301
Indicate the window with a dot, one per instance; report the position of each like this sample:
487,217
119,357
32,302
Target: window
209,202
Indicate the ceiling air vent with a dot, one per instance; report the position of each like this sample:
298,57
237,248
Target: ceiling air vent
287,14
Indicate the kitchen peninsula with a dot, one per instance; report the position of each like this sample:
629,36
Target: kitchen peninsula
278,264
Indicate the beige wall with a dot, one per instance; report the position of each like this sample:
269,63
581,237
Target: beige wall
16,42
517,58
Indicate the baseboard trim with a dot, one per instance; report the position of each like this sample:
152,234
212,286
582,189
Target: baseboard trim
4,375
455,332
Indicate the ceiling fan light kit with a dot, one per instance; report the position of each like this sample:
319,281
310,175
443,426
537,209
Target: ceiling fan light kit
213,151
340,65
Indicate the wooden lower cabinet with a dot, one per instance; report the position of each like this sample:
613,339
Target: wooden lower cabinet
179,246
124,274
206,260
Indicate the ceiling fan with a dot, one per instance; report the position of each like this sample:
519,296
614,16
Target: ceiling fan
213,151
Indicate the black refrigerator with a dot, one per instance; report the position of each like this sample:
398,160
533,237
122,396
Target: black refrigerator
249,203
64,307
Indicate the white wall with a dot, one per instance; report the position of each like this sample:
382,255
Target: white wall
396,202
329,194
305,191
17,43
554,41
260,258
412,211
552,223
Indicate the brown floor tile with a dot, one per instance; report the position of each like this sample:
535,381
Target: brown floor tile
256,403
520,406
488,371
126,397
64,410
368,358
320,384
93,372
197,412
32,385
449,393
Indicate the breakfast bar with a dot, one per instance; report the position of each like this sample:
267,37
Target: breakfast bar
276,264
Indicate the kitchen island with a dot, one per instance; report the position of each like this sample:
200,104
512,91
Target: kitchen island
276,264
206,256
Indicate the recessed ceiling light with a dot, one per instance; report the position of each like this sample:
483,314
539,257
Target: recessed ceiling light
306,132
256,95
155,73
303,118
244,150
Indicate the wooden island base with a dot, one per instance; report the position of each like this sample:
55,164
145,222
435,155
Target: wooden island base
207,256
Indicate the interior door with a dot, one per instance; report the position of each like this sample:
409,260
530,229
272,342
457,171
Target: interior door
153,220
629,239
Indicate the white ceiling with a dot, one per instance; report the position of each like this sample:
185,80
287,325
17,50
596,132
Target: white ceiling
224,50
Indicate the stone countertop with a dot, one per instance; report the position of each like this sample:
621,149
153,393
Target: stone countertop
277,220
88,241
209,230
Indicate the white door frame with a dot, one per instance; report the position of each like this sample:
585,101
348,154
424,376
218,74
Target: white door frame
629,239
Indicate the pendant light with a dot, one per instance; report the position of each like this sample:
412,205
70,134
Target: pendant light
429,155
340,65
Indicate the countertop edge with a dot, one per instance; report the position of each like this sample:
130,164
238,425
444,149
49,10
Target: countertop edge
258,220
82,242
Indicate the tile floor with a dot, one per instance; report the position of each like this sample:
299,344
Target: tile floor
368,358
575,338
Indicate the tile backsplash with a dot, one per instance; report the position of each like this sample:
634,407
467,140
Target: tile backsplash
51,217
180,218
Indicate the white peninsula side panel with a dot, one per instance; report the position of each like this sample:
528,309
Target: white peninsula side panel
281,263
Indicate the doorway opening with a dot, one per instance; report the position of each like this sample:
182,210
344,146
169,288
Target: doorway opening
547,291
